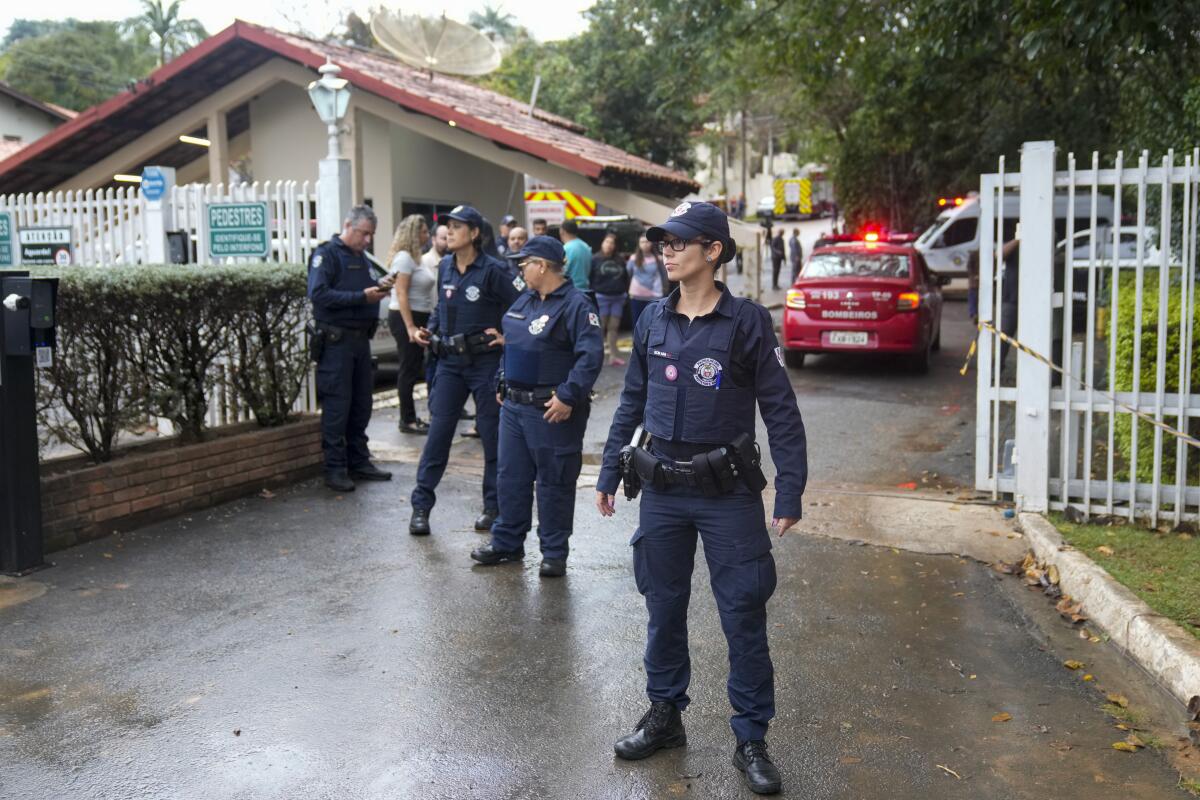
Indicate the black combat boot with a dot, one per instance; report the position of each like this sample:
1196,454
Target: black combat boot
419,524
761,774
661,727
490,556
370,472
339,481
483,524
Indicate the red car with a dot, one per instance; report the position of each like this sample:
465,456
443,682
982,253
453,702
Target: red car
874,296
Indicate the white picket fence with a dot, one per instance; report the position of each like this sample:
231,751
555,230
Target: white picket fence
109,227
1101,251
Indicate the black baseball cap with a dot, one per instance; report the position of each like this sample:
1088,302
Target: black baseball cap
466,214
544,247
697,221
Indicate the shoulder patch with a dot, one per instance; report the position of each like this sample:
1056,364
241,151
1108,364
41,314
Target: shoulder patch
593,319
519,283
317,259
779,356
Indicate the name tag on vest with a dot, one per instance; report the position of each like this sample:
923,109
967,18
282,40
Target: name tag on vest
515,315
664,354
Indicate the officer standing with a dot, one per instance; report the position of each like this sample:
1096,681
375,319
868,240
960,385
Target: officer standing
552,355
701,360
345,300
475,290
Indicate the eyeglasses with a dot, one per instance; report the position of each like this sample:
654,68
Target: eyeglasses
678,245
535,262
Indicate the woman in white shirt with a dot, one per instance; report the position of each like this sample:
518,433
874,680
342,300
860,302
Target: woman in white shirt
413,299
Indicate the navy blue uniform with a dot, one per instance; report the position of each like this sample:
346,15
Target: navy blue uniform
695,385
468,303
337,277
555,344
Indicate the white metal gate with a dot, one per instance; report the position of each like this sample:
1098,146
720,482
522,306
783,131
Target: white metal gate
1102,252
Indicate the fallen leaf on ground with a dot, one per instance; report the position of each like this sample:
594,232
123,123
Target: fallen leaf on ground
1089,677
1061,747
949,771
266,494
1118,700
1003,716
1052,574
237,732
959,594
911,485
1073,664
1124,747
1106,550
1134,740
849,760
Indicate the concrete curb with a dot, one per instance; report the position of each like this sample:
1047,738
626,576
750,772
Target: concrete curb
1160,646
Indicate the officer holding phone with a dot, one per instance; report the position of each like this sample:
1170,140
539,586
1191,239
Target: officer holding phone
345,301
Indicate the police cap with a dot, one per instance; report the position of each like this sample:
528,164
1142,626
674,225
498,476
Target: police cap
697,221
546,248
466,214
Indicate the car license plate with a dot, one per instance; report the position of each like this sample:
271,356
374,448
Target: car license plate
858,338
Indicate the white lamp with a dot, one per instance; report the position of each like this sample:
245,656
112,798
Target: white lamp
330,96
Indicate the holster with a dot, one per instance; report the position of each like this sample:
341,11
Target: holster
316,342
629,476
748,461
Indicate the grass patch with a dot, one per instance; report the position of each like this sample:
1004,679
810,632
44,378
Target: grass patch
1131,718
1160,568
1190,785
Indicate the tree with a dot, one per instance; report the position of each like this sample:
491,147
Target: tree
164,25
494,22
79,66
32,28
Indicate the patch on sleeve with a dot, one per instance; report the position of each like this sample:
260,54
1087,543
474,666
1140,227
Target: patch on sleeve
519,283
594,319
317,259
779,355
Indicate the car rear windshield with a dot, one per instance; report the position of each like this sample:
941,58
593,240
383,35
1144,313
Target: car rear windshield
857,265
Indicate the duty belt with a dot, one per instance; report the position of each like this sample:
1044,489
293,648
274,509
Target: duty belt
529,397
336,333
714,472
462,344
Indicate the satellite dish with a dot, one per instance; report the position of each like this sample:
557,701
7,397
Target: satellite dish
436,44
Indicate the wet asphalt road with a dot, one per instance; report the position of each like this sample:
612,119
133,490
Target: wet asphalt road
304,646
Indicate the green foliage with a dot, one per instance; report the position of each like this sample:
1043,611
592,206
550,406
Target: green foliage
494,22
77,66
161,24
32,28
146,339
1123,371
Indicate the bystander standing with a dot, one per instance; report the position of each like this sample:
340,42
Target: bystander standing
579,255
609,279
648,278
413,300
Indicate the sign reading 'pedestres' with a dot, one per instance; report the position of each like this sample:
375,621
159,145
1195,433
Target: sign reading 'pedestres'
239,229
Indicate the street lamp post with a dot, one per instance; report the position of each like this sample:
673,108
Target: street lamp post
330,97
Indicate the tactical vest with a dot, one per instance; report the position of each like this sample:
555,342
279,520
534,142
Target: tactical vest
538,347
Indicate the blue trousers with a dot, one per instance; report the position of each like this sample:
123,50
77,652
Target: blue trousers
550,455
453,382
737,547
344,385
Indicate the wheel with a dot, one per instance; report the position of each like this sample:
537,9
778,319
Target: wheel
937,339
793,359
919,362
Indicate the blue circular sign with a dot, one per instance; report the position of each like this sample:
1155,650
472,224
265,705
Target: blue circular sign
154,183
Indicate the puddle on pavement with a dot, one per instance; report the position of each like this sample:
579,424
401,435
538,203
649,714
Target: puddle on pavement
25,703
14,591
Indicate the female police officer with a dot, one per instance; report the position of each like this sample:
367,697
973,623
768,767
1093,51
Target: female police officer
474,291
701,358
552,355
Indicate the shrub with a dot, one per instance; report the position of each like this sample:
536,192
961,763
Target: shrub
1122,372
138,339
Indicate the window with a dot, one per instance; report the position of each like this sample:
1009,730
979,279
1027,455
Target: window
960,231
8,137
857,265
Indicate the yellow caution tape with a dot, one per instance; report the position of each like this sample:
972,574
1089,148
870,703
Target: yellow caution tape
1142,415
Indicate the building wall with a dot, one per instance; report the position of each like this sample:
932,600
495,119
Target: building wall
427,170
287,139
22,121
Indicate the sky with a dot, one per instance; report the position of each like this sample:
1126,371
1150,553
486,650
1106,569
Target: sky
546,20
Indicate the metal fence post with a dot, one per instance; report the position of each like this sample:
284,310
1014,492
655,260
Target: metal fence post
1034,315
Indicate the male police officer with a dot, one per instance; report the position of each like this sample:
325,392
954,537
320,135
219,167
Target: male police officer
345,299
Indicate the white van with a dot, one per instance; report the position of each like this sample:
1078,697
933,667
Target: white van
949,242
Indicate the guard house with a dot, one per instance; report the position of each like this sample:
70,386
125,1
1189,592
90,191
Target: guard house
416,140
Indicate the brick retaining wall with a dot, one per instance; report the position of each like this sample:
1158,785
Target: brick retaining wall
94,501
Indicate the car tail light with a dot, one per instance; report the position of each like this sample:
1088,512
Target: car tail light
796,299
908,301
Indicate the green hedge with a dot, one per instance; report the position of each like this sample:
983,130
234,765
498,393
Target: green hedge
137,340
1122,372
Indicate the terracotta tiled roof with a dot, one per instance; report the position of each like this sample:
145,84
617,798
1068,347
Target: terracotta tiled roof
103,129
63,114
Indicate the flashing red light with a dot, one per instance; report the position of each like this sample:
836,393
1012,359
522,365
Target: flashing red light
942,202
871,236
958,201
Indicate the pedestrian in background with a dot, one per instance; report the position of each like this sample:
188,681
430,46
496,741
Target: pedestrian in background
579,255
539,227
778,254
506,225
345,304
474,292
488,245
413,299
517,237
609,279
647,278
552,355
795,253
702,360
437,249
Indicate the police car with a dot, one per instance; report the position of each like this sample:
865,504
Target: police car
869,293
